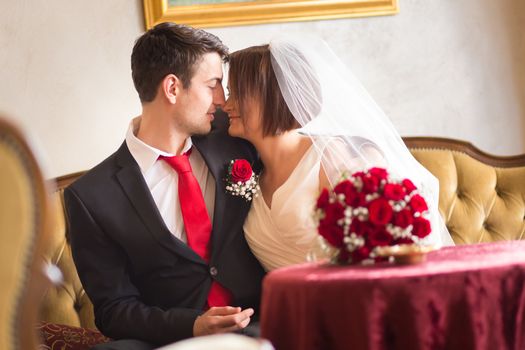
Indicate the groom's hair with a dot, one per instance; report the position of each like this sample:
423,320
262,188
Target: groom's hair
170,48
252,77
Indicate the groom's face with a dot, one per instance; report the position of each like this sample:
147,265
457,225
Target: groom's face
198,102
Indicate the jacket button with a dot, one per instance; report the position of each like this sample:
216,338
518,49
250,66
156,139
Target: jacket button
213,271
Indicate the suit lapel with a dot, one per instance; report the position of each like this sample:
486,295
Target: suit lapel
227,208
136,189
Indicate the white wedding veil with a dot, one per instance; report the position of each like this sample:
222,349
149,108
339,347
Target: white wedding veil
348,129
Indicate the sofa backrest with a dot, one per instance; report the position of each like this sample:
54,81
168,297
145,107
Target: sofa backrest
482,199
67,303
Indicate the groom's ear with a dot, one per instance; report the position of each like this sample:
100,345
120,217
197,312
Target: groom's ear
170,87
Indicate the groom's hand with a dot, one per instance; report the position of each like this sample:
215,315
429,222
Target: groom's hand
221,319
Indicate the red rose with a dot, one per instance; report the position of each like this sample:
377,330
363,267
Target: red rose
328,227
343,256
379,173
394,192
403,218
409,185
370,184
344,186
355,199
322,201
358,227
360,254
418,203
361,228
332,232
421,227
358,174
379,237
241,170
380,211
403,240
334,212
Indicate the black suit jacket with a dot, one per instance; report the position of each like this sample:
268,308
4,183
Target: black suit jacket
145,283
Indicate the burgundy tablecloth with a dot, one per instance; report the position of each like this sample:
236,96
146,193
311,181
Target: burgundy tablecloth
463,297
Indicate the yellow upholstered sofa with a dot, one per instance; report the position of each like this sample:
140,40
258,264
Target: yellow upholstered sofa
66,313
67,303
482,199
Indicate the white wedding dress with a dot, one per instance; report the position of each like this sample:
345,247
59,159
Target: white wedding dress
286,233
341,118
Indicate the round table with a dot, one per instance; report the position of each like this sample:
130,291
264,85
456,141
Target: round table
462,297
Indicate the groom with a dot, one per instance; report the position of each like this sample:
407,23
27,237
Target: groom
157,241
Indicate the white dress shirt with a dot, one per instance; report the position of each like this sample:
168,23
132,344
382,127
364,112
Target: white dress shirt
162,179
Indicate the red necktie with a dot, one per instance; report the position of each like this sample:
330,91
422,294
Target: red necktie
196,220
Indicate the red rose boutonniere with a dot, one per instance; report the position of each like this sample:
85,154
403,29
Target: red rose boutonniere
241,180
370,210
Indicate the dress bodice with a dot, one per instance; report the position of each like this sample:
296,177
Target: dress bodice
286,233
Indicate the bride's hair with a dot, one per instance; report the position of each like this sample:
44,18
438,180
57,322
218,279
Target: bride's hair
252,78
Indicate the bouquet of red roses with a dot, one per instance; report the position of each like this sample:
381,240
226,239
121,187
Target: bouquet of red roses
370,210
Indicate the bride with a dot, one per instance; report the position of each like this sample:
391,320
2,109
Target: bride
310,120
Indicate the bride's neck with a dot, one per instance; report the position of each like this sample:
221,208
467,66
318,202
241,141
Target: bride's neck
274,150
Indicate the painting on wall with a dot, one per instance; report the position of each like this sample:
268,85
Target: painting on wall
220,13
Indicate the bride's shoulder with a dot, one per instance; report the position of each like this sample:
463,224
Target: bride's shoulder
346,154
351,145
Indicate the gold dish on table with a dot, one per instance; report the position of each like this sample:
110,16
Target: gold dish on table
406,253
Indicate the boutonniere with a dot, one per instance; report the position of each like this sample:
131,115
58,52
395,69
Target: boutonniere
241,180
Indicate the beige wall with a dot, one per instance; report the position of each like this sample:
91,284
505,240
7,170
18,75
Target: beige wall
451,68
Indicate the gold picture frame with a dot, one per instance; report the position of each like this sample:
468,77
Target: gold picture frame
224,13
